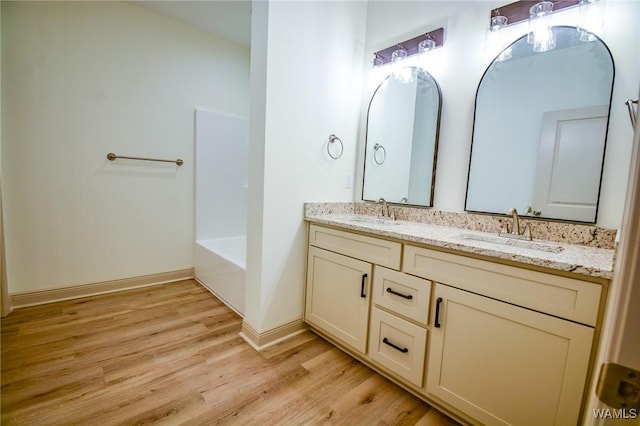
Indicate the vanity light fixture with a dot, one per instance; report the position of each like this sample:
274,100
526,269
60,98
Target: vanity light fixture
590,18
411,47
538,13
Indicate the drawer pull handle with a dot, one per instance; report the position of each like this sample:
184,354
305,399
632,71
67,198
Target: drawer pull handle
405,296
362,287
437,318
398,348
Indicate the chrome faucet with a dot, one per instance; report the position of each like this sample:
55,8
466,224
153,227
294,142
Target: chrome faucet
515,222
514,232
385,211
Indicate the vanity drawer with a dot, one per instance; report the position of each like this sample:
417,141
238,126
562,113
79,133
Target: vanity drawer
370,249
398,345
403,294
560,296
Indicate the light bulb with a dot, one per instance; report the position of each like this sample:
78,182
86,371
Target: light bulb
397,58
540,33
495,40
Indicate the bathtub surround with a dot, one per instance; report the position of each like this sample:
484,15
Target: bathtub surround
561,232
221,157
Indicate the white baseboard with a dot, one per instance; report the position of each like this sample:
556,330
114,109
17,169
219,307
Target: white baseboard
262,340
39,297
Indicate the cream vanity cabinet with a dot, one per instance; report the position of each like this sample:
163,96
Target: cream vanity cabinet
496,344
339,273
496,360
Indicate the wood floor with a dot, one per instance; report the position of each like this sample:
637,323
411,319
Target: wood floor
170,354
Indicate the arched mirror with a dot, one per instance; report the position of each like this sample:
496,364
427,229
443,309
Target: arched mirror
540,129
402,139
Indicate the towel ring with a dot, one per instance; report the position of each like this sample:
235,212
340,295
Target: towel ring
377,147
332,139
632,115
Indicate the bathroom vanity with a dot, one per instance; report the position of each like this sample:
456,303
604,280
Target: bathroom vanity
490,332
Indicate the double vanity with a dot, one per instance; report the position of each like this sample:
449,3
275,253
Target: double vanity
491,330
494,323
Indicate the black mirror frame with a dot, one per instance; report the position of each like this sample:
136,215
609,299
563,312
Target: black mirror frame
435,147
475,107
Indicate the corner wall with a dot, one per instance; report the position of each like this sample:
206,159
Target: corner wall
82,79
306,73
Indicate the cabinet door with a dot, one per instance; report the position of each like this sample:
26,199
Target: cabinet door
337,297
398,345
502,364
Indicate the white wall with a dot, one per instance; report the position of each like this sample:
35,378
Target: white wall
459,65
82,79
306,71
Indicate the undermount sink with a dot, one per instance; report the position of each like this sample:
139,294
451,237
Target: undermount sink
494,239
372,220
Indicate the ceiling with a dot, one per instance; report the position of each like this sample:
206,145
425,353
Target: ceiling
229,19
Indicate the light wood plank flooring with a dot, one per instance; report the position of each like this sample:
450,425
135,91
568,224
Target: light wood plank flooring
170,354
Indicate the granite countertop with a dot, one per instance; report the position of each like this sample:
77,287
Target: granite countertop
589,261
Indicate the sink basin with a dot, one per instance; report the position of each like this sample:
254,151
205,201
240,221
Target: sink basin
373,220
494,239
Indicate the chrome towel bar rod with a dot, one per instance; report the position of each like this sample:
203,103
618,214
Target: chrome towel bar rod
112,157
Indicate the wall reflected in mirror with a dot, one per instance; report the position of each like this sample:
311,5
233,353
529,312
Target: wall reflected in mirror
403,121
540,128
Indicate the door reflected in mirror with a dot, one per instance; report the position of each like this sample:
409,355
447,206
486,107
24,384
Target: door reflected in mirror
402,139
540,128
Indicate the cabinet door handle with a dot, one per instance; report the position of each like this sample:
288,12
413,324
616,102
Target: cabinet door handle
436,322
406,296
398,348
362,287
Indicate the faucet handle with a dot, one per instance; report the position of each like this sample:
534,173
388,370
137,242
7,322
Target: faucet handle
526,235
530,210
505,228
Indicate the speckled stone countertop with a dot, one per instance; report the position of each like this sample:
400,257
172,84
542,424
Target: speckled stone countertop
579,259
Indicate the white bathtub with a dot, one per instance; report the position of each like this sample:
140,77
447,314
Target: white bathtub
220,267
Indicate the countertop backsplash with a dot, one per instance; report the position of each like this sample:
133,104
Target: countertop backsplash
560,232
